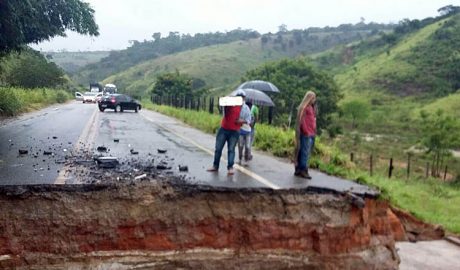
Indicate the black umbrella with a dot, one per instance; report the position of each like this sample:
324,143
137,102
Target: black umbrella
259,85
256,97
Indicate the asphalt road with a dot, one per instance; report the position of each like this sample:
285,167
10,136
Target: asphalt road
55,129
135,138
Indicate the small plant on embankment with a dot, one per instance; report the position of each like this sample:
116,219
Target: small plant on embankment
429,200
14,100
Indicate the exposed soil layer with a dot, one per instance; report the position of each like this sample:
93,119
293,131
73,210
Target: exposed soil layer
171,225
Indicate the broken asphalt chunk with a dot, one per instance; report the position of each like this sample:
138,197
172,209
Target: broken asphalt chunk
162,167
101,149
161,151
107,162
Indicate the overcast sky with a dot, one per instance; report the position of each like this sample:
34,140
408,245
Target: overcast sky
123,20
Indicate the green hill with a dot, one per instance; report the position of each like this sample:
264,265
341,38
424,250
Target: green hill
398,73
71,62
286,43
218,66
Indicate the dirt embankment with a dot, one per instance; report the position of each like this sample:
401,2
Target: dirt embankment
170,226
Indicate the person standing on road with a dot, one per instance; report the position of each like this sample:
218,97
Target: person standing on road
244,142
254,120
305,134
229,132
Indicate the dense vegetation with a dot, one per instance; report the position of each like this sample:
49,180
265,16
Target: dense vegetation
14,100
29,69
294,78
24,73
24,22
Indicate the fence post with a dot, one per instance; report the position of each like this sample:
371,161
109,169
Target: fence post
445,173
270,115
351,156
427,169
408,165
370,165
211,105
390,169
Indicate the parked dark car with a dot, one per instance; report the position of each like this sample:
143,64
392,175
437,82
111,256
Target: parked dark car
119,103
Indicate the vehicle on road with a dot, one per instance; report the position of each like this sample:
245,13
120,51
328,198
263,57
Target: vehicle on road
110,89
95,87
90,97
119,103
78,96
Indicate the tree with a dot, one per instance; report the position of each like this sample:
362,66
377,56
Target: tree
449,9
439,135
357,110
30,69
282,28
156,36
294,77
32,21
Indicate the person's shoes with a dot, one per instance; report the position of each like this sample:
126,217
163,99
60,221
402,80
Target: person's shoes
230,171
297,173
212,169
304,174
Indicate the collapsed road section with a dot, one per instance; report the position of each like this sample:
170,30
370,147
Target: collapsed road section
170,225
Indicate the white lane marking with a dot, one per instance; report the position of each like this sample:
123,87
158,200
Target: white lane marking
240,168
86,138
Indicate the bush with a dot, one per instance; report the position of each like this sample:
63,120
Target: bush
61,96
10,102
14,100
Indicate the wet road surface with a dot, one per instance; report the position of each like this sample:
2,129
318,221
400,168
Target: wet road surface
53,130
135,140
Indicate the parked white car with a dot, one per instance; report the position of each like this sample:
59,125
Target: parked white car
78,96
90,97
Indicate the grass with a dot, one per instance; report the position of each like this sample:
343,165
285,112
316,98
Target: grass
430,200
14,101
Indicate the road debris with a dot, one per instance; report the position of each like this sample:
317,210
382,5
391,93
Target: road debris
161,151
139,177
107,162
183,168
134,152
47,153
116,140
23,151
101,149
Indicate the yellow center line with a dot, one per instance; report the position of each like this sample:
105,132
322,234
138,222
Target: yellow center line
86,140
238,167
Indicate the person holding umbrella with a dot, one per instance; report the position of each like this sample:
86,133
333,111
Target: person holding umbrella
305,134
244,142
229,132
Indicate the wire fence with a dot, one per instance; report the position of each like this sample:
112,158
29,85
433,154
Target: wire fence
210,104
412,166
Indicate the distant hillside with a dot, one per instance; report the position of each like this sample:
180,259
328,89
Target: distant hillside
71,62
218,66
288,43
422,62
